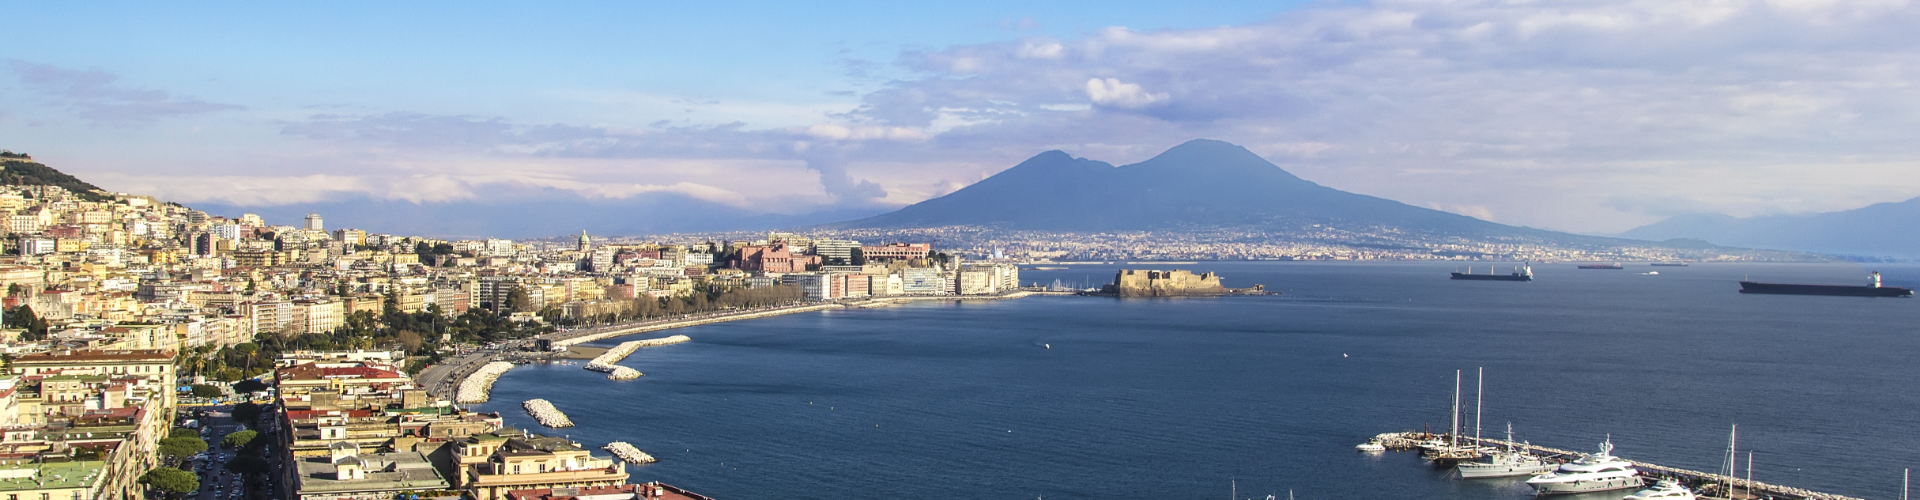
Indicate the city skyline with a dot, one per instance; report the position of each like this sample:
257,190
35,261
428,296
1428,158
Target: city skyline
1592,118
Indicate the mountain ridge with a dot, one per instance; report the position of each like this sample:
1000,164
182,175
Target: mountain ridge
1202,182
1890,229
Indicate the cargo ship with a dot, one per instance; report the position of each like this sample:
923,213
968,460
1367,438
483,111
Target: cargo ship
1523,273
1615,265
1872,289
1669,264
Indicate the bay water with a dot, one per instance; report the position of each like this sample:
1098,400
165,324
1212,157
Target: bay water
1084,397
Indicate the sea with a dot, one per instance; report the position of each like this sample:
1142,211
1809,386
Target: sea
1257,397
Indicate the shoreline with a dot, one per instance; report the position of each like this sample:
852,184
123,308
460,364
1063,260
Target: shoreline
570,342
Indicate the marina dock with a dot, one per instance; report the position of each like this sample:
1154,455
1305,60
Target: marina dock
1705,484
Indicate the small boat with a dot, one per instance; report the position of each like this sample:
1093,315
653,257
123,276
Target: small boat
1666,489
1597,472
1371,446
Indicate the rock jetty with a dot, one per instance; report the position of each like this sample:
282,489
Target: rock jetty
544,412
476,387
605,361
629,453
624,373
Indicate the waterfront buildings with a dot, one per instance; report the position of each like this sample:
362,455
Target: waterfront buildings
493,464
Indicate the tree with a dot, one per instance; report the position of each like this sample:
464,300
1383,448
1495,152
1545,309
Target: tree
249,386
409,341
518,301
177,449
204,391
247,464
239,439
246,412
183,432
170,480
24,318
859,257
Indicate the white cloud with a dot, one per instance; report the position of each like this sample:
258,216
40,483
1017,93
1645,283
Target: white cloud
1113,92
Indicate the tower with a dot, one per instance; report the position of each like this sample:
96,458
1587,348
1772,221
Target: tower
313,223
585,243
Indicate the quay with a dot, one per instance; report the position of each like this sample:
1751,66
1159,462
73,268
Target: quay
1705,484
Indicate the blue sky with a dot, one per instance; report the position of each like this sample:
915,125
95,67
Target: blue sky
1574,115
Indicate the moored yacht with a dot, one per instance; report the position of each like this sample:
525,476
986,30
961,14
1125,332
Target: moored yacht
1506,463
1666,489
1371,446
1597,472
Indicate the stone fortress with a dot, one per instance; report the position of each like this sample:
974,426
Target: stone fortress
1147,283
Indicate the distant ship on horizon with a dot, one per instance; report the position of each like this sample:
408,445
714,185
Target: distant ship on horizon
1670,264
1522,273
1872,289
1615,265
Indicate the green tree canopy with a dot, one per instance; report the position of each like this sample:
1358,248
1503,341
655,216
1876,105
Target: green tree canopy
183,432
247,464
246,412
206,391
171,480
239,439
177,449
249,386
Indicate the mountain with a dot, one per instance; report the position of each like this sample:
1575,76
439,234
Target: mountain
1202,183
1881,230
18,169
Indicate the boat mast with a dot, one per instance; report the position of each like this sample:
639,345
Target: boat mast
1730,464
1453,438
1478,397
1749,472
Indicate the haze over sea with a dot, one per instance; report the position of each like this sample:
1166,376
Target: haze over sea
1174,398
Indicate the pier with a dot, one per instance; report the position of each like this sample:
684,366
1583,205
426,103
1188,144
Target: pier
1707,485
544,413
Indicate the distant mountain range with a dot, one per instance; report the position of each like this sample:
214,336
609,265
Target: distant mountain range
1202,183
1880,230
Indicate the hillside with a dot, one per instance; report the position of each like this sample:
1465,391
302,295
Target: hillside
1202,183
1879,230
18,169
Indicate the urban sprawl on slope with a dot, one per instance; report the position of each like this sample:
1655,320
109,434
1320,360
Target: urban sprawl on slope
152,348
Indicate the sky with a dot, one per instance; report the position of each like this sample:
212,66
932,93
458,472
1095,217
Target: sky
1591,117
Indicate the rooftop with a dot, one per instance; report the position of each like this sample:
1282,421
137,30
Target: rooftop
34,476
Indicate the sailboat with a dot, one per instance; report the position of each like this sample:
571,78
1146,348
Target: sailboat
1506,463
1452,453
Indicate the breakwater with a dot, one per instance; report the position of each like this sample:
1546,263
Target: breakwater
476,387
605,361
544,412
629,453
654,327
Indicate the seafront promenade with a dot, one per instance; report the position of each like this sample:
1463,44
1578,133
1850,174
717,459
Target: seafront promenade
443,379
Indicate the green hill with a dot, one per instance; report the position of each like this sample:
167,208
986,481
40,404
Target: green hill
18,169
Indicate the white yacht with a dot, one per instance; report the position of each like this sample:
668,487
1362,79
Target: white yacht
1666,489
1371,446
1597,472
1506,463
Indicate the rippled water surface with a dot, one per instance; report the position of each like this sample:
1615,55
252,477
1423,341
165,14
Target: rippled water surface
1180,398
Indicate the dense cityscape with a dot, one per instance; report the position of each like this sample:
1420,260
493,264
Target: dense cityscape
158,350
